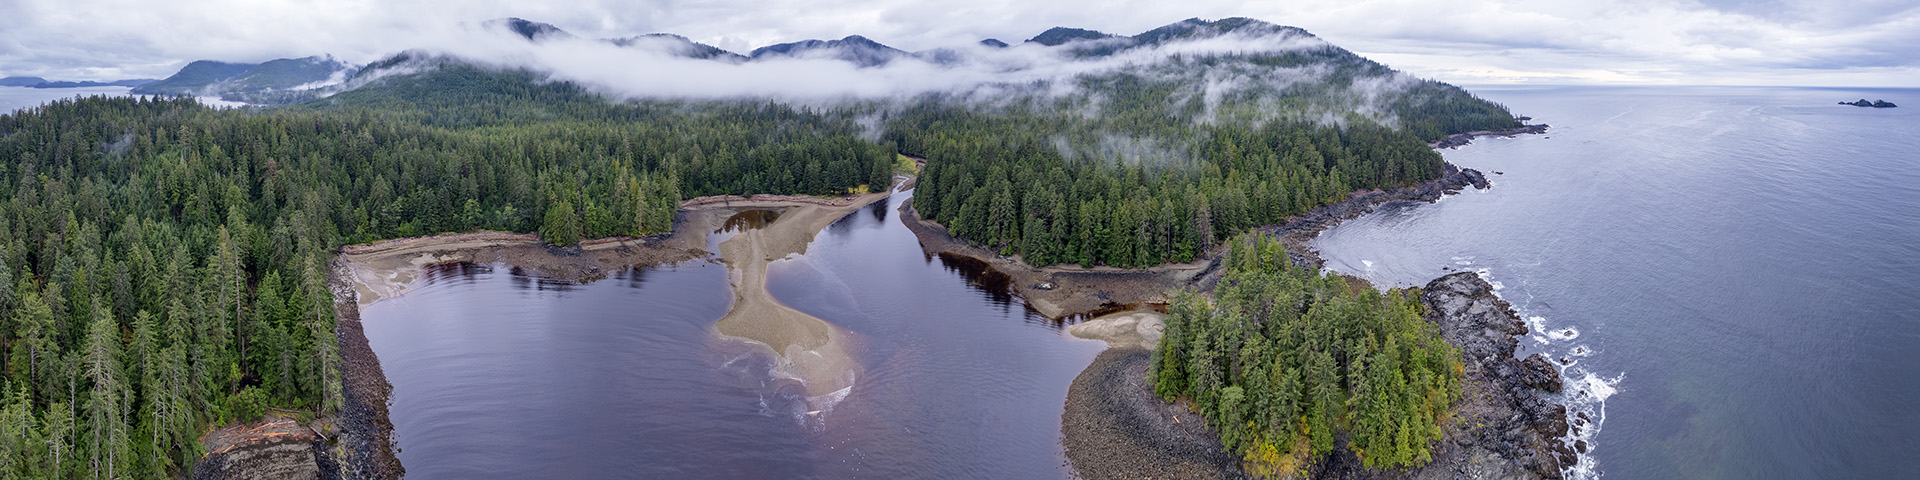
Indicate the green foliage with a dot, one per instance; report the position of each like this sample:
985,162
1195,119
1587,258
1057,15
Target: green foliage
249,405
1282,353
562,226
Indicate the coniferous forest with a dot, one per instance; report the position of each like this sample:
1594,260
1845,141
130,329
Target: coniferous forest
1283,360
164,265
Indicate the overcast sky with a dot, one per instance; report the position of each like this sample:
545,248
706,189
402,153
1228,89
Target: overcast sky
1737,42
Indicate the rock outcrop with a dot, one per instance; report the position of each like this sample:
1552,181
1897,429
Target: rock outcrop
1505,426
1462,139
276,447
1875,104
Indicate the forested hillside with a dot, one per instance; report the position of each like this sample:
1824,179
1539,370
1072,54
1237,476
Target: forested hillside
1000,180
163,265
1283,361
1157,161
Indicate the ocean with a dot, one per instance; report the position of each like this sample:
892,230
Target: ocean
1727,274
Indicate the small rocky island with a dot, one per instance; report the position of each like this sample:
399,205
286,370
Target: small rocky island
1875,104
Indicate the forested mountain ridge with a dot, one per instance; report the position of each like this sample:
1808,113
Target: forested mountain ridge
853,49
275,81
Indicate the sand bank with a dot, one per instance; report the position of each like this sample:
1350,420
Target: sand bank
810,349
1136,328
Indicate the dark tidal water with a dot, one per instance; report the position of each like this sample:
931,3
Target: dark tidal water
499,374
1738,266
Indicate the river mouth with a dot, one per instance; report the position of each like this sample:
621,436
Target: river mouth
500,373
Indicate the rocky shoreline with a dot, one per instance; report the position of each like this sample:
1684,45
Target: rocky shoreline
365,448
1301,229
1462,139
1505,426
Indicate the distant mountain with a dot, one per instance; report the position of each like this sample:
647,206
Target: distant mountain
21,81
292,74
853,49
529,30
994,43
195,78
277,81
678,46
37,82
89,83
1058,36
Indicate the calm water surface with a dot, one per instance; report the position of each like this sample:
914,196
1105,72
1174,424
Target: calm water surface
1736,266
16,98
499,374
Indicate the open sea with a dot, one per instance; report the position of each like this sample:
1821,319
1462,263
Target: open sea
1730,274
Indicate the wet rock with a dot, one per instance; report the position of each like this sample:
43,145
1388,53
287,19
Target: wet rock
1537,372
1523,427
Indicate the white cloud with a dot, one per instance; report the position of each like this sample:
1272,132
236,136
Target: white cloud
649,70
1617,41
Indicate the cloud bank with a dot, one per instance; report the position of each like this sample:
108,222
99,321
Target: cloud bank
1808,42
661,69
